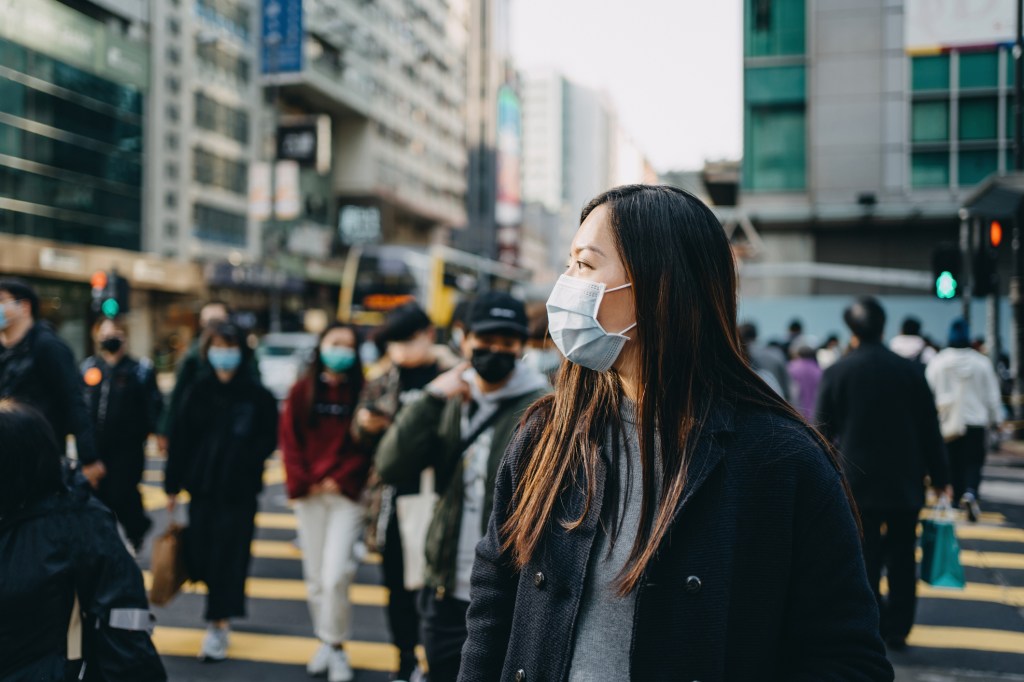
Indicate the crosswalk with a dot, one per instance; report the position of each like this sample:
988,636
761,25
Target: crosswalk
980,627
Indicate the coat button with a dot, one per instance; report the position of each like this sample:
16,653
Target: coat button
520,675
539,579
693,584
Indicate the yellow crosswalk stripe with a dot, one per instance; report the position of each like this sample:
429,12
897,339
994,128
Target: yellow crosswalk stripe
291,590
978,559
986,517
982,592
283,649
990,533
276,521
974,639
279,549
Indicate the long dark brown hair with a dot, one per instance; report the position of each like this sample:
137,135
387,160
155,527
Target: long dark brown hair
681,266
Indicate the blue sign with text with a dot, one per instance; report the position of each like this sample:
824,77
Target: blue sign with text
282,36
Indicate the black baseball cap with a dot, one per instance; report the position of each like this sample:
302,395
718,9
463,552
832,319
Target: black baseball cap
403,323
497,313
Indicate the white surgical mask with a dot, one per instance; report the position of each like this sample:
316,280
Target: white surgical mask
572,322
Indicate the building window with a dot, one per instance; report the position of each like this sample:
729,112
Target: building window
219,118
172,141
775,28
170,229
218,171
173,55
171,200
776,147
173,26
173,113
174,84
215,225
972,149
171,170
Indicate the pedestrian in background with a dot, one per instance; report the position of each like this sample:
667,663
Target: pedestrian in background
910,344
665,515
124,404
806,376
38,368
768,362
414,360
460,428
966,390
878,409
326,474
58,544
830,353
224,432
193,366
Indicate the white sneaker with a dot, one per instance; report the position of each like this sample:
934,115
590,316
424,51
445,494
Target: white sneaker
318,664
338,669
215,645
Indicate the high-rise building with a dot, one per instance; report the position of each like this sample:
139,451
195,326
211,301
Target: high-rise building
866,125
75,85
574,148
489,73
202,129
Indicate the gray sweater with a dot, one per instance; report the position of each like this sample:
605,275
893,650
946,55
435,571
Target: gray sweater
604,629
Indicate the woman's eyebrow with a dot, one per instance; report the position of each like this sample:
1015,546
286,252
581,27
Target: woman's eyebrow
588,247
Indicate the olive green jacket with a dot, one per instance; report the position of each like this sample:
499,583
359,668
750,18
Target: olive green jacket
427,433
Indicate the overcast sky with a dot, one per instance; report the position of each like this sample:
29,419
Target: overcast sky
673,68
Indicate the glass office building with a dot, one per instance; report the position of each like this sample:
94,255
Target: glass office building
71,127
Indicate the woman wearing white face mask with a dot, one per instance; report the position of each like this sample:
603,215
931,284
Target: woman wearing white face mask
226,429
665,515
326,473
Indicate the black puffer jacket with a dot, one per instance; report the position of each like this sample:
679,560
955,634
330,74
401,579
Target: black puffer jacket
65,544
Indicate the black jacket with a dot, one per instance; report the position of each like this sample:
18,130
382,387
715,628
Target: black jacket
879,410
124,404
761,576
65,544
221,438
40,370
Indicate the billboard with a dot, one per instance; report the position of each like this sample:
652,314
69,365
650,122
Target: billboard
282,36
934,26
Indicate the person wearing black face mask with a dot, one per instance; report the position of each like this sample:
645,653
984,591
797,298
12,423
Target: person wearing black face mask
460,428
124,404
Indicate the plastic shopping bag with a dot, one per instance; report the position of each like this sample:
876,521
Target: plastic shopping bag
940,551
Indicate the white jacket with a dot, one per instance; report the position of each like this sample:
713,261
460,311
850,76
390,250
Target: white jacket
966,390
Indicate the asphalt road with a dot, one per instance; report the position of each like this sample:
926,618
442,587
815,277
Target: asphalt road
976,634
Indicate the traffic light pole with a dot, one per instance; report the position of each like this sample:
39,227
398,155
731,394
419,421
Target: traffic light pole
1017,356
965,265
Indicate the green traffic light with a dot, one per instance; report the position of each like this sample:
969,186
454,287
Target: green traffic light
945,285
110,307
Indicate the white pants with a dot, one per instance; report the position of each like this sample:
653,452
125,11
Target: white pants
329,527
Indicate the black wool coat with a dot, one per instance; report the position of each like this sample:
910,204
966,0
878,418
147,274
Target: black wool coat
879,410
760,578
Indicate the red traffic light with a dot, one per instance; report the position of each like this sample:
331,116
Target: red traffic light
99,280
995,234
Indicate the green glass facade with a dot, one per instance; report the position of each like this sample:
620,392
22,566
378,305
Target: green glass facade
70,137
775,95
954,117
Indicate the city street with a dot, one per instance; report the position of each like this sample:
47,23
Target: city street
976,634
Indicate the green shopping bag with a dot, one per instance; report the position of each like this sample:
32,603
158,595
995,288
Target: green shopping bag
940,551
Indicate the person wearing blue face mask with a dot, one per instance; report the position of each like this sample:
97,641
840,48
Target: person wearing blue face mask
326,469
226,429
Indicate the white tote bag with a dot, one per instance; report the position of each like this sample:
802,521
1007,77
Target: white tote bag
414,515
951,412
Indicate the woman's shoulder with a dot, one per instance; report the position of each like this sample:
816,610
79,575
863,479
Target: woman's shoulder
765,440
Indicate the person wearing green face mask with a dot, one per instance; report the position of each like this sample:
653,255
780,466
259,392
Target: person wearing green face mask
221,438
326,469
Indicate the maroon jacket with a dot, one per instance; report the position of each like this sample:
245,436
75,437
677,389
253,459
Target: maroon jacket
317,441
